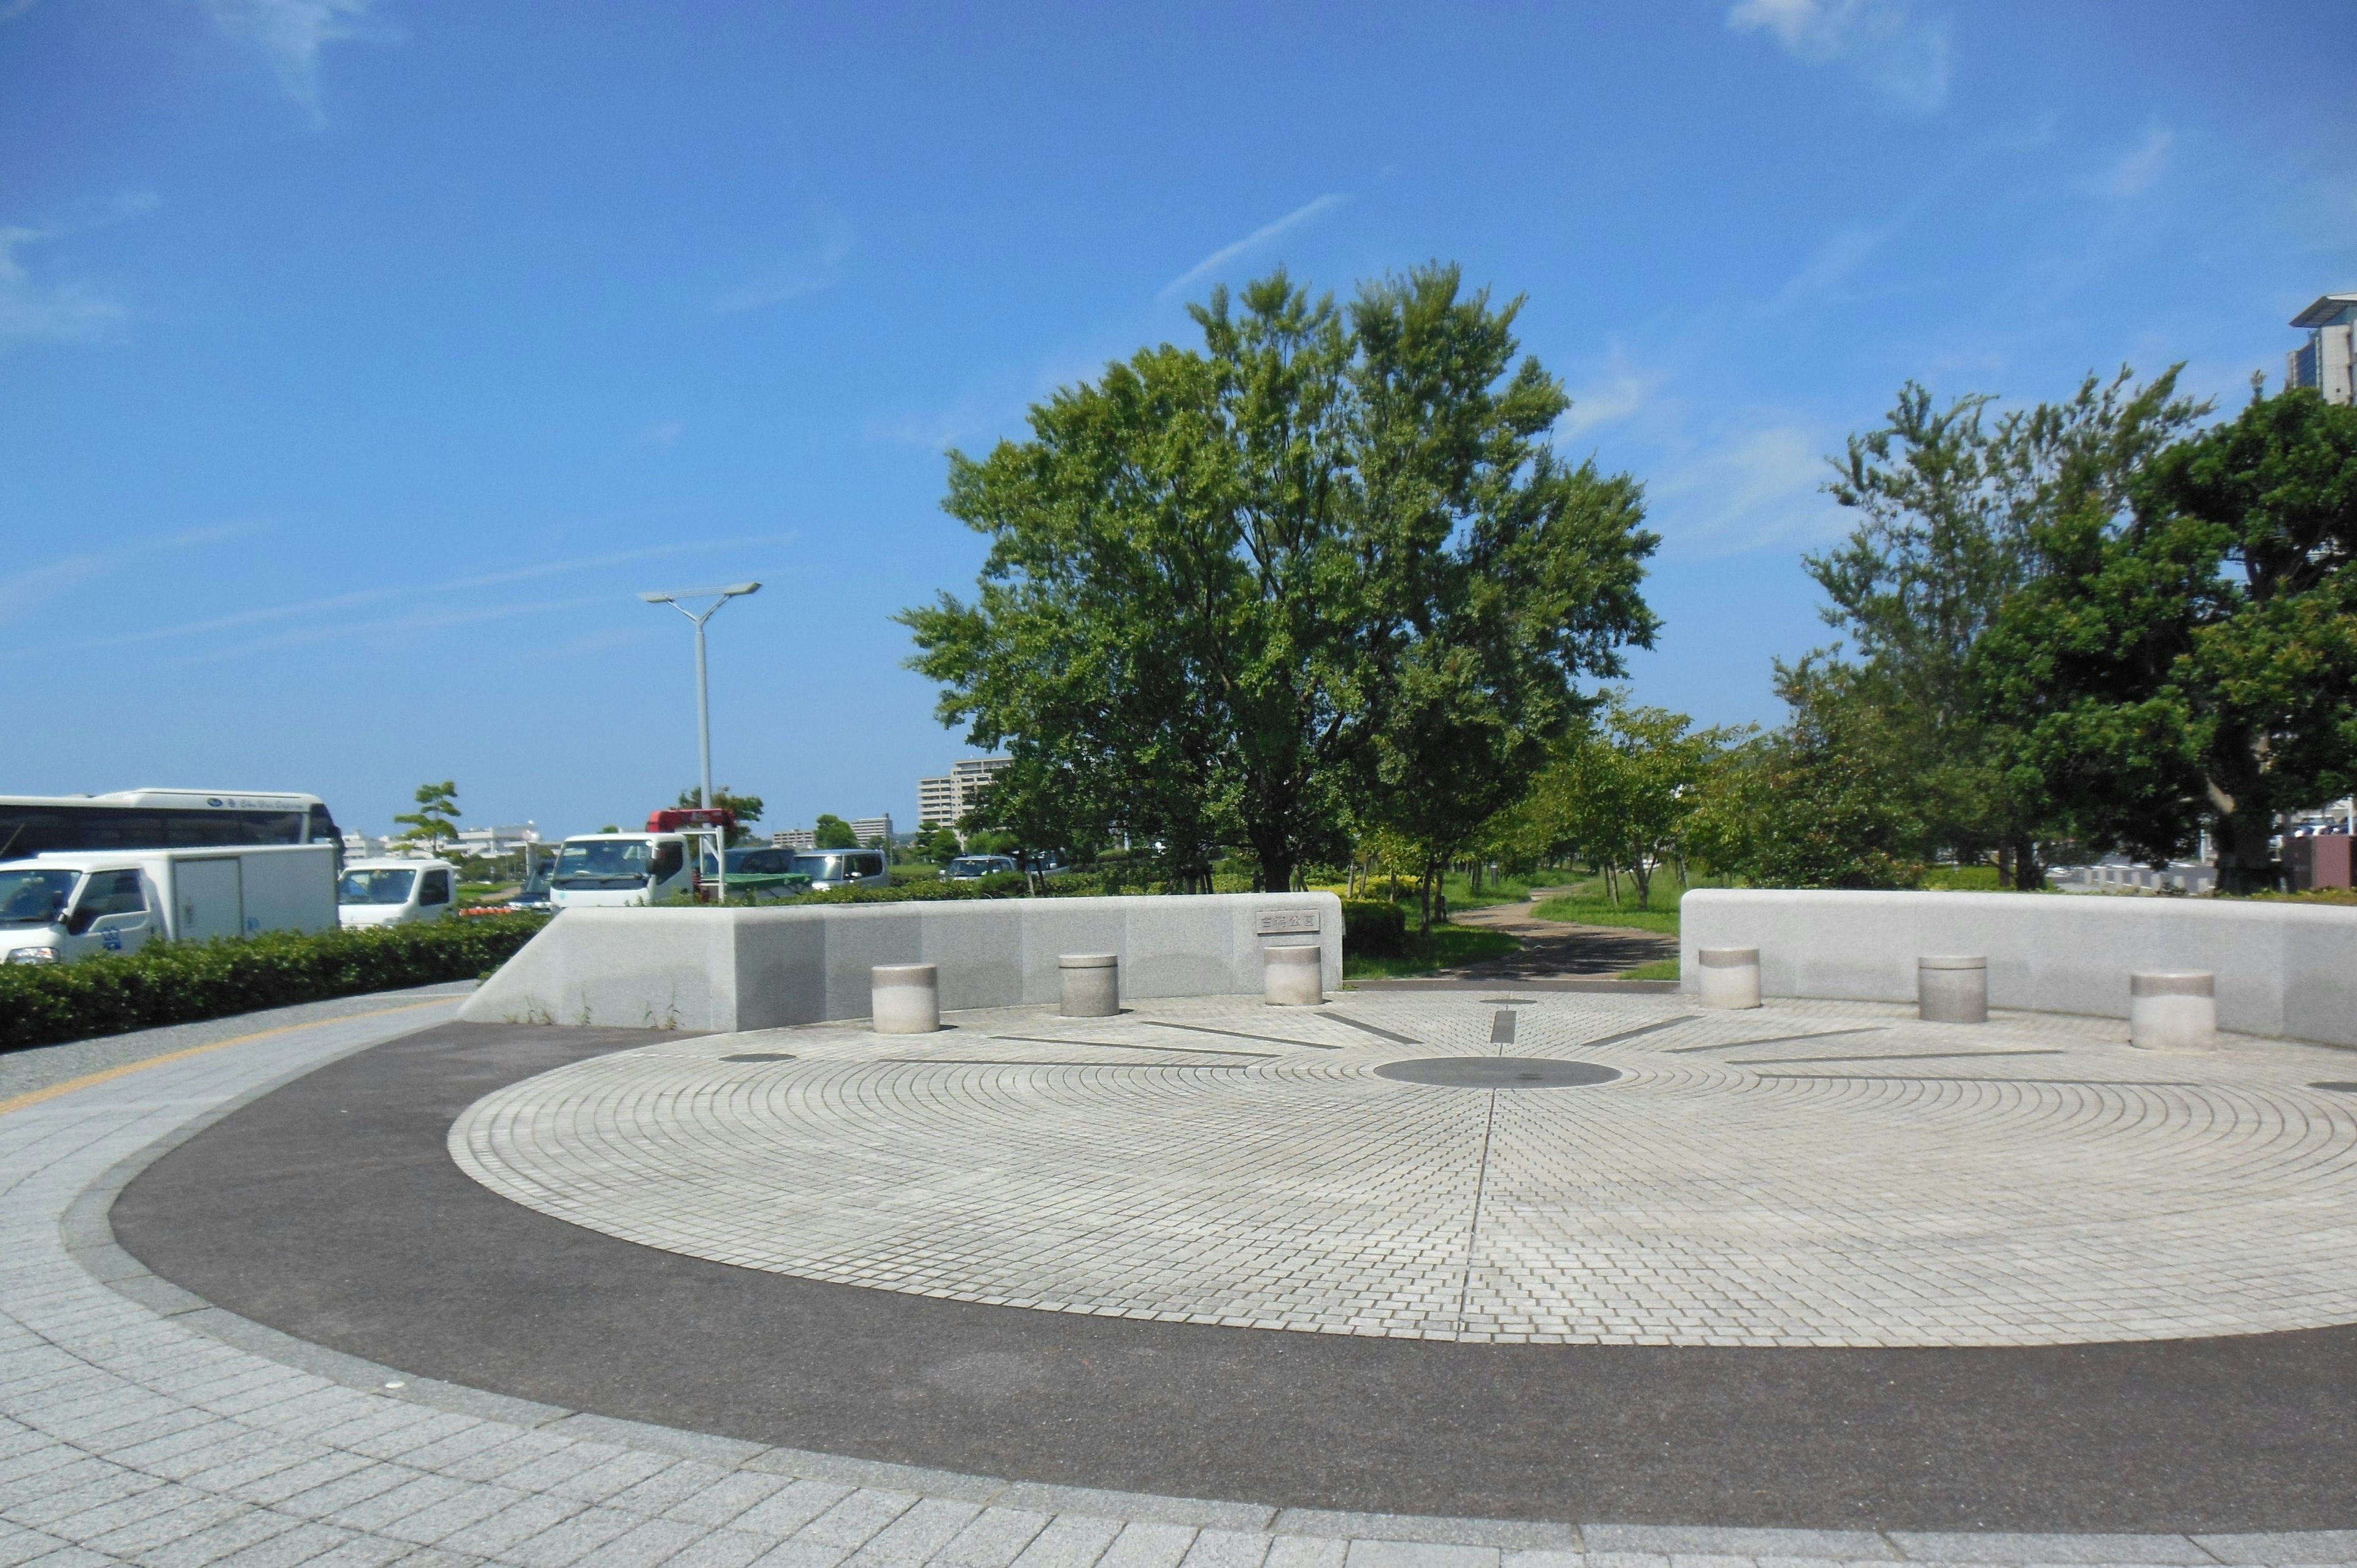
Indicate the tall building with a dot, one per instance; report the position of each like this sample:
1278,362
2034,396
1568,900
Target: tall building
868,830
942,801
2329,362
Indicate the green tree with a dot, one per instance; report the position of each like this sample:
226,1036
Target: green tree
436,820
747,808
2195,663
1620,791
934,843
1328,559
1827,801
831,832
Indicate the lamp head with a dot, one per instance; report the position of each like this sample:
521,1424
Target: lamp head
656,598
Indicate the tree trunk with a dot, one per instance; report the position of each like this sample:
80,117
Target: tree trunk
1424,898
1643,872
2245,862
2029,876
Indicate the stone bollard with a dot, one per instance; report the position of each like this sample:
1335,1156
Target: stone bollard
2173,1010
906,998
1728,977
1296,976
1950,989
1092,984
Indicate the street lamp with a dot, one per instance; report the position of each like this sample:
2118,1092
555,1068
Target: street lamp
719,597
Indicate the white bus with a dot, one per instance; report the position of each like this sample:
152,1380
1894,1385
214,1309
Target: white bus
161,818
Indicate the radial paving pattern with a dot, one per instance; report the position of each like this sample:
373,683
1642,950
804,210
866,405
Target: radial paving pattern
1817,1173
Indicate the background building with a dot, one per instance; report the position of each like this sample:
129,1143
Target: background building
2328,364
870,829
942,802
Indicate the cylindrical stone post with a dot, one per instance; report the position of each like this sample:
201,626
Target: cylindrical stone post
1092,984
2173,1010
1950,990
1727,977
906,998
1296,976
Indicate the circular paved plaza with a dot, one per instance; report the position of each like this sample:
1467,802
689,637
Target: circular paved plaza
1545,1167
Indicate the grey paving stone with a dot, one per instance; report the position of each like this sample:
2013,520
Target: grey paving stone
249,1526
1418,1554
651,1542
1436,1529
19,1544
1318,1551
73,1557
2283,1546
2002,1547
1543,1557
991,1539
668,1486
1201,1512
161,1498
852,1521
471,1505
801,1554
292,1547
723,1549
1839,1545
1146,1545
1226,1549
192,1515
568,1543
528,1515
296,1478
915,1536
724,1501
792,1507
1073,1541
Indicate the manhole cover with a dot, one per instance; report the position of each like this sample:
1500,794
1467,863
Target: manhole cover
759,1057
1497,1072
2337,1087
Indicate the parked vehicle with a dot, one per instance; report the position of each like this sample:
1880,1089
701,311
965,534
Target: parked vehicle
607,869
160,819
532,898
831,868
974,867
396,892
759,874
55,908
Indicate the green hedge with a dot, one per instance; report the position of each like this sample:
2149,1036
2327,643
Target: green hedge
1372,928
180,982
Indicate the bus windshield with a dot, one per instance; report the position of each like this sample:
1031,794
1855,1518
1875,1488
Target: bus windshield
34,897
383,886
602,863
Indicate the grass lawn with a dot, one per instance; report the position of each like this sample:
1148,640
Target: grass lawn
1446,948
1588,905
1459,887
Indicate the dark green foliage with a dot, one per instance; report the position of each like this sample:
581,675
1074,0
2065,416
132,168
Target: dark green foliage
180,982
1374,927
748,808
831,832
2197,661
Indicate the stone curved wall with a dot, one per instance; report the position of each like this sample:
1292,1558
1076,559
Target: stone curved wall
2287,971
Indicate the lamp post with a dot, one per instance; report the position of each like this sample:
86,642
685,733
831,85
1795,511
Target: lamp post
719,597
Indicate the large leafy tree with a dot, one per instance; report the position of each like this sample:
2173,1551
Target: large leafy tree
2195,661
1951,509
1325,569
749,809
436,820
1622,789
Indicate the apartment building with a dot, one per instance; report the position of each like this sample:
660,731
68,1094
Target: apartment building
2328,362
942,801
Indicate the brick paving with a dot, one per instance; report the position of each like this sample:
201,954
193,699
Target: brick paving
1809,1175
139,1424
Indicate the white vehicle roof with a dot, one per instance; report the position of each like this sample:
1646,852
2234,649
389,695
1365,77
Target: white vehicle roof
225,799
397,863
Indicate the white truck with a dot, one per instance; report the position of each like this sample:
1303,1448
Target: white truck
396,892
620,869
71,904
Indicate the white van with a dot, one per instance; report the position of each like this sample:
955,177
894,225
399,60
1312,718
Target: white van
55,908
396,892
829,868
620,869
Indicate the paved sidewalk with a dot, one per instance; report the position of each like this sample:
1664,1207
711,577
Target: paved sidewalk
139,1425
1558,949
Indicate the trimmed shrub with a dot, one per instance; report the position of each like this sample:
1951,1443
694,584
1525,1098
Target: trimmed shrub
1372,928
180,982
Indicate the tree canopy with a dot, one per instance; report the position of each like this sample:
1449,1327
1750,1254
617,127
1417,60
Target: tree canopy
436,817
1324,571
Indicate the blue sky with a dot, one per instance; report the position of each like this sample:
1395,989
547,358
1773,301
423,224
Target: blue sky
362,360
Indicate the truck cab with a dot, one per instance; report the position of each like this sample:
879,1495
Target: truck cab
53,911
396,892
607,869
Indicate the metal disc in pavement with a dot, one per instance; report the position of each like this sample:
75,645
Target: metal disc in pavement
1498,1072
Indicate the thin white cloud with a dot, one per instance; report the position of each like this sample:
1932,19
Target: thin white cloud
820,267
332,602
394,629
293,33
1308,212
52,310
1903,57
1746,491
22,593
2137,170
1619,392
663,433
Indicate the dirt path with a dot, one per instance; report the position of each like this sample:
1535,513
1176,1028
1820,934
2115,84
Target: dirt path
1557,949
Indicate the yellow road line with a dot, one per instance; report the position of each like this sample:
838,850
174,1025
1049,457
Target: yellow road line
36,1096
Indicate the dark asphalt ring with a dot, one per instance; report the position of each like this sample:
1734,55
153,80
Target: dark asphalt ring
330,1209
